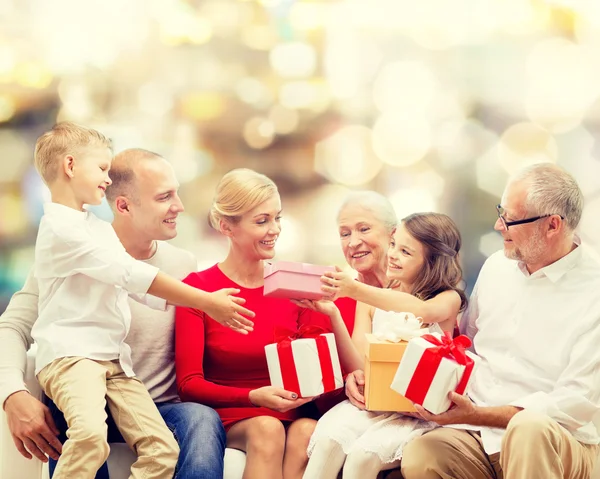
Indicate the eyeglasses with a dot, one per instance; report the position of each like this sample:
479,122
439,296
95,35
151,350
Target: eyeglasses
506,224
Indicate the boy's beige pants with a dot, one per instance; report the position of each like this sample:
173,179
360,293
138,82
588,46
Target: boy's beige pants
81,388
533,447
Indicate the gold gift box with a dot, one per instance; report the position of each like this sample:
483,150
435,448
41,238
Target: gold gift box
382,359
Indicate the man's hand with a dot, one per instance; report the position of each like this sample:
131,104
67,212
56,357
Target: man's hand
355,387
463,411
227,310
32,427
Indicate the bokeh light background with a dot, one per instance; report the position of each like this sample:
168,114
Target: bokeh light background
430,102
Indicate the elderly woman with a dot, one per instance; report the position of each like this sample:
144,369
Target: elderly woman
366,221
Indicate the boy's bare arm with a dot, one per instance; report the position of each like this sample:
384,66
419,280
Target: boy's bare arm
221,305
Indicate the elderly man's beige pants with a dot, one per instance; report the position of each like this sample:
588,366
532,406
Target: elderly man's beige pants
534,447
80,388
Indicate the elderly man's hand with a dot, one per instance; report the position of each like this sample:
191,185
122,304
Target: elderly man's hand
463,411
355,386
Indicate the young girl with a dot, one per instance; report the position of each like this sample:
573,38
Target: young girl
425,276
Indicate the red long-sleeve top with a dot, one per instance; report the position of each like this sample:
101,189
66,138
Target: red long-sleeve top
219,367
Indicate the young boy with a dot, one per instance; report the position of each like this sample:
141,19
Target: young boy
84,277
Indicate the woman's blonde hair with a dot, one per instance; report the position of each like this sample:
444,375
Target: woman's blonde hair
238,192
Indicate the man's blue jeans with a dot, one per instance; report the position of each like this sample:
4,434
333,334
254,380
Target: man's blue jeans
197,429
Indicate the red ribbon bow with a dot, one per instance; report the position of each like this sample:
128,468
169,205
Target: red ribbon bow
284,339
452,348
447,347
304,331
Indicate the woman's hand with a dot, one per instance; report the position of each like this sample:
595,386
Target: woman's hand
277,399
338,284
322,306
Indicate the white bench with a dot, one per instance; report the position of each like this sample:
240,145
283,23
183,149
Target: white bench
15,466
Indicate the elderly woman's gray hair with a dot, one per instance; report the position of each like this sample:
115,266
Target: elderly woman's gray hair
378,204
551,191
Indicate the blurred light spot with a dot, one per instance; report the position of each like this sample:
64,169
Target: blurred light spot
181,24
412,200
404,86
87,38
577,156
290,239
7,108
187,227
401,139
13,220
304,94
458,142
589,226
285,120
188,162
562,84
154,99
327,201
253,92
203,106
33,75
490,242
258,37
347,156
429,179
308,16
293,60
16,153
7,61
76,101
491,177
259,132
523,144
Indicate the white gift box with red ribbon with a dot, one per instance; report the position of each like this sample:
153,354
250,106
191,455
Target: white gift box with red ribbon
308,366
432,366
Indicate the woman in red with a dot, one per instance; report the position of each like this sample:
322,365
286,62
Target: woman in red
228,371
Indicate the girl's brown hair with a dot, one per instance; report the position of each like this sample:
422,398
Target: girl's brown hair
441,239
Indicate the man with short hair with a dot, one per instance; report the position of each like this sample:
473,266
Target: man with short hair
145,202
534,318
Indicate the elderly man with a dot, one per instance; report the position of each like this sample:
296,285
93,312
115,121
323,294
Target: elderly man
534,319
144,199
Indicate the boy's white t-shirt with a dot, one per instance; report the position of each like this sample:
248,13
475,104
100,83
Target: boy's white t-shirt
84,276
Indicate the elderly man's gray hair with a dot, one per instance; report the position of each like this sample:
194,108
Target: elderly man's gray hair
552,190
378,204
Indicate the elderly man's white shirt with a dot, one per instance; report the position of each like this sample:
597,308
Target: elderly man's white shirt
84,275
538,337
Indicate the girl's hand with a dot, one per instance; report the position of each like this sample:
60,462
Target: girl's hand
322,306
277,399
338,284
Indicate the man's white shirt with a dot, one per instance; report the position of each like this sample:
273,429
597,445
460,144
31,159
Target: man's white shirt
84,275
538,337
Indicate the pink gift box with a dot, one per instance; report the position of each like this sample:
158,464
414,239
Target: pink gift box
287,279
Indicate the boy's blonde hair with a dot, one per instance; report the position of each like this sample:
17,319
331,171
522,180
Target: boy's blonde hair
238,192
63,139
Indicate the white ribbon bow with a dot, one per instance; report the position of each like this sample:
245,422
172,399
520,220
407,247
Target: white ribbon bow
396,327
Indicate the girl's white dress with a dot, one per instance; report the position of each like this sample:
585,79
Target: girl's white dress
381,433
